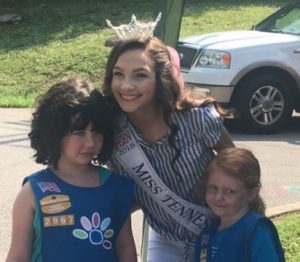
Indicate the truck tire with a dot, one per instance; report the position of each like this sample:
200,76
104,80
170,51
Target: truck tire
263,104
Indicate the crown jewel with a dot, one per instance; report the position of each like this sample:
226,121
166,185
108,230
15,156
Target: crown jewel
135,29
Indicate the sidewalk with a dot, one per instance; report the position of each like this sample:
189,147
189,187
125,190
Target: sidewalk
17,162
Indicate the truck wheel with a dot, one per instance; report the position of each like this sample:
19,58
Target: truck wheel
264,104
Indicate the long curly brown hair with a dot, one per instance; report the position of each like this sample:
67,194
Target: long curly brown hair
170,96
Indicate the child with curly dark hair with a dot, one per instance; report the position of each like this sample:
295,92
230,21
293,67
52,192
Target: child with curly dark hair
75,209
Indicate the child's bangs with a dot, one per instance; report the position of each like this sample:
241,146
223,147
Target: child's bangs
80,122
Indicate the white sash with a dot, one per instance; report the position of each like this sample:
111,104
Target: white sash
133,159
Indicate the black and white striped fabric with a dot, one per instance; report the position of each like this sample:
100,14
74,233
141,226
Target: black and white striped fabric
199,130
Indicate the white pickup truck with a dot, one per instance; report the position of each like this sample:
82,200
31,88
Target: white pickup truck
257,72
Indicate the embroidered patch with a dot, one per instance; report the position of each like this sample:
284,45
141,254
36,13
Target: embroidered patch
203,255
95,230
54,204
56,221
48,186
205,239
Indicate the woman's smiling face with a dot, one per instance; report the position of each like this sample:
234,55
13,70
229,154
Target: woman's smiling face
134,82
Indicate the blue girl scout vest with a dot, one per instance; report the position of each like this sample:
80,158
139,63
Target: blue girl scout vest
75,223
235,244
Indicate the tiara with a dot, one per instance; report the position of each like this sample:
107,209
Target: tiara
135,29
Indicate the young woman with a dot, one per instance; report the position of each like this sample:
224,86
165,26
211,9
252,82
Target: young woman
242,232
165,139
74,210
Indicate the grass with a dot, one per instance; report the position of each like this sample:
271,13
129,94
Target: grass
66,37
62,37
289,232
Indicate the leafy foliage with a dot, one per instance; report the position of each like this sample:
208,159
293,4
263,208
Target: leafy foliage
289,233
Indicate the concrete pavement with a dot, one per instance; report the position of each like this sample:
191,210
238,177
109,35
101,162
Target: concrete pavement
281,191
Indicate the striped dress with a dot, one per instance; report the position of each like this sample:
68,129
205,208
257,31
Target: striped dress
199,130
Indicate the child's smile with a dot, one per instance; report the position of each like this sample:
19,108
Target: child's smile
227,196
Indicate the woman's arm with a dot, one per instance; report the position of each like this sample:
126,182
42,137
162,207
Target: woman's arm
22,229
125,246
224,141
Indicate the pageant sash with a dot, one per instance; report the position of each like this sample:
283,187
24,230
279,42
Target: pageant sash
132,158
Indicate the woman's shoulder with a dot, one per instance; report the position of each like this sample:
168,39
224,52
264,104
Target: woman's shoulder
204,120
201,108
199,112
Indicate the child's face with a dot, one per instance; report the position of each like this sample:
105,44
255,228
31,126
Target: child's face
134,82
227,197
80,146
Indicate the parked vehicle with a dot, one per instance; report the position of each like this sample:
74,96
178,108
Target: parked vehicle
257,72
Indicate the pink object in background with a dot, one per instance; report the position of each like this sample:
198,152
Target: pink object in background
175,59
